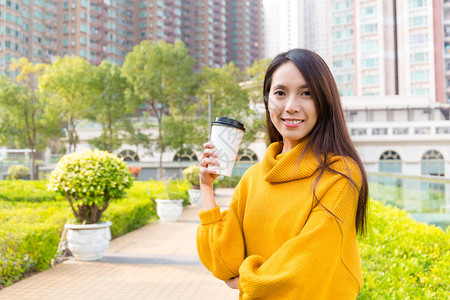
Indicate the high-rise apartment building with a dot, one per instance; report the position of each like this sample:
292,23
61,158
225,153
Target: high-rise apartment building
446,42
342,53
100,30
376,47
204,31
383,47
96,30
284,26
245,31
27,28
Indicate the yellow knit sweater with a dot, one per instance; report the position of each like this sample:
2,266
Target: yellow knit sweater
278,240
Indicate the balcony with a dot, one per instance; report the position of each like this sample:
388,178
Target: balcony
96,12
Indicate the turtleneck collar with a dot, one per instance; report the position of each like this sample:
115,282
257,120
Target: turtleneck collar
287,167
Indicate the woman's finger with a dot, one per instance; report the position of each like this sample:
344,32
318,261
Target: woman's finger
204,170
209,161
208,145
208,153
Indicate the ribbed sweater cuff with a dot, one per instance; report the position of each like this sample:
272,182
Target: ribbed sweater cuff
210,216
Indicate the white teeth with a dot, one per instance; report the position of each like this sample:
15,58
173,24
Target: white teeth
293,122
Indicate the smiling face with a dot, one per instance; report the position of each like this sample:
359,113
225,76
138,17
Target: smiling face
292,109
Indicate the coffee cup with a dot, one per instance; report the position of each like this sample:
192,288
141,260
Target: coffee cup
226,135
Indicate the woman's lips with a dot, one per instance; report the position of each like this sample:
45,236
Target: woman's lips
292,122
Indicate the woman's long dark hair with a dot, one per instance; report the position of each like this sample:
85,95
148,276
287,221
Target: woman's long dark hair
330,135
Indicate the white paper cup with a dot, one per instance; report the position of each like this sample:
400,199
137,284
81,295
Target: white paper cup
226,135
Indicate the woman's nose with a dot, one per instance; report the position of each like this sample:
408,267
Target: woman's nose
292,105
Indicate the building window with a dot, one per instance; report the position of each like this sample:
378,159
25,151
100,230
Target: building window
417,3
421,92
186,155
390,162
420,75
129,155
368,11
433,163
369,46
417,21
369,28
370,80
379,131
419,57
247,155
369,63
418,39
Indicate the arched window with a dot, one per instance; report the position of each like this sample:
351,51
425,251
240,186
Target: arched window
246,159
247,155
129,155
186,155
390,162
433,163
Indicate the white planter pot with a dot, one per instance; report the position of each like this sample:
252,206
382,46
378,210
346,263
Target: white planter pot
169,210
195,197
88,242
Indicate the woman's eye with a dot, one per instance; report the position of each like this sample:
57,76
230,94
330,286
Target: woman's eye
306,93
279,93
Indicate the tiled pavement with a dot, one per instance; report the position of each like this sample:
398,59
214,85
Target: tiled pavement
157,261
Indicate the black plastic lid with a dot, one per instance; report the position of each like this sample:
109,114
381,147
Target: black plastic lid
229,122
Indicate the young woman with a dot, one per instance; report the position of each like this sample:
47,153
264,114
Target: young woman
290,231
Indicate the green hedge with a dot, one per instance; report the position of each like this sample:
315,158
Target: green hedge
26,190
403,259
30,228
29,236
227,182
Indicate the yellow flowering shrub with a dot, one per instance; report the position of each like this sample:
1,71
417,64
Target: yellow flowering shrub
89,180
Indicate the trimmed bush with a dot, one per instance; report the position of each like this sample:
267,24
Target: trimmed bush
403,259
89,180
177,189
18,172
192,174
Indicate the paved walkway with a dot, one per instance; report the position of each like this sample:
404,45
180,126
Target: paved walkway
157,261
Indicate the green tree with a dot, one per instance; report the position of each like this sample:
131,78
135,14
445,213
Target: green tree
254,86
228,99
110,107
69,85
26,119
180,132
161,77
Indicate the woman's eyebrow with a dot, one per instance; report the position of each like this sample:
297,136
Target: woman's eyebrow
279,86
282,86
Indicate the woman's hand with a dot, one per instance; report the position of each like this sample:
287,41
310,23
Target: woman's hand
209,155
233,283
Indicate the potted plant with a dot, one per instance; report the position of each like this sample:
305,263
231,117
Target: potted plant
89,180
192,174
169,205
